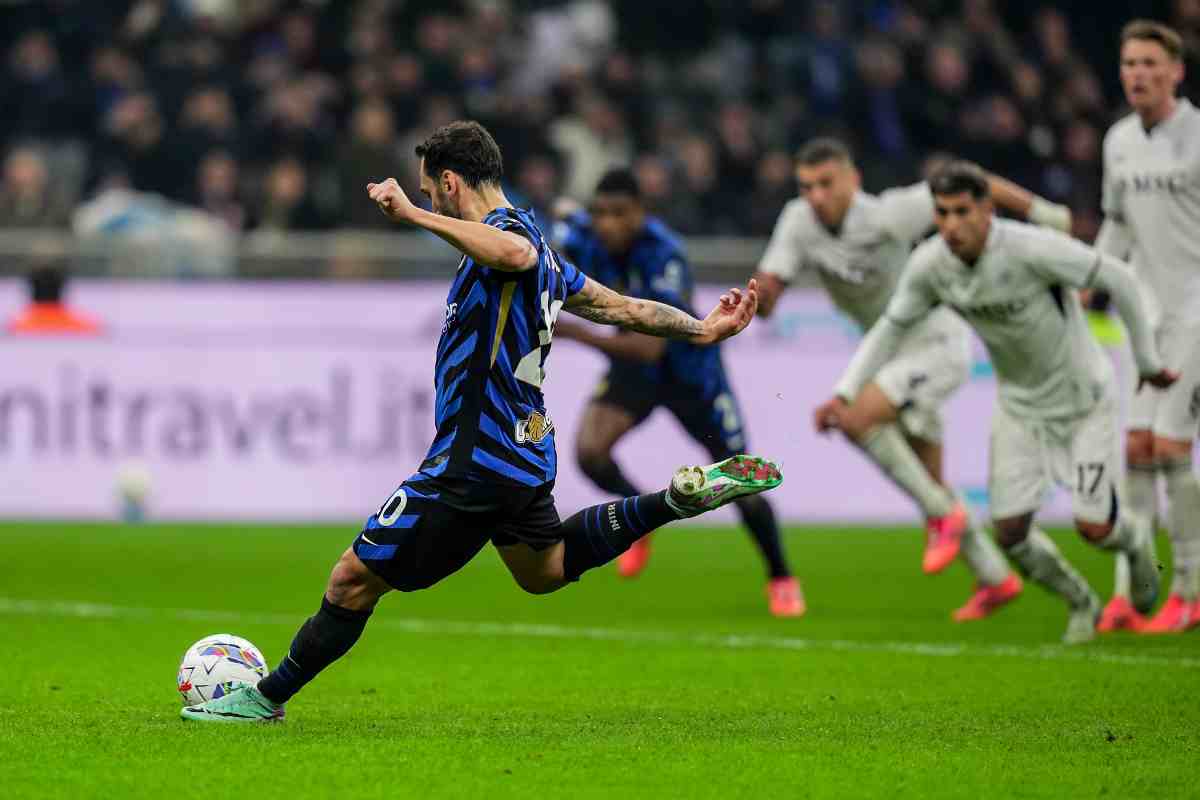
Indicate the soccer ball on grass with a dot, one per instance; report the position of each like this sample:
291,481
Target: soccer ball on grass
218,664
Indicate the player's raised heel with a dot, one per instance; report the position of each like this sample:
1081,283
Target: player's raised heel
695,490
1081,625
245,704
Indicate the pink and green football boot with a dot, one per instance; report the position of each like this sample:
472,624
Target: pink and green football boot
696,490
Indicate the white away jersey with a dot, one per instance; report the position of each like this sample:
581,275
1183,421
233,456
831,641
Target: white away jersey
1019,297
1152,187
860,264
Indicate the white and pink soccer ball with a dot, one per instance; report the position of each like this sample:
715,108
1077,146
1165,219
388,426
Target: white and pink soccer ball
218,664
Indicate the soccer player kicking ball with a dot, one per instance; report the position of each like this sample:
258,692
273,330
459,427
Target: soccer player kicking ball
1152,215
490,470
618,244
1056,418
858,243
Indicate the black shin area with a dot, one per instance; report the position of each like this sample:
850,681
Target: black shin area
759,518
322,639
597,535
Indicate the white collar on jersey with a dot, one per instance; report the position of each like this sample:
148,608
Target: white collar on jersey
1182,104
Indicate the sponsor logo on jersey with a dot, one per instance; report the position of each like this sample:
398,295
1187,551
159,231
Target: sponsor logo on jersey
534,428
451,314
1172,182
994,311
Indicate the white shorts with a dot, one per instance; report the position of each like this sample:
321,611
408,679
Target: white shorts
1082,454
1173,413
933,361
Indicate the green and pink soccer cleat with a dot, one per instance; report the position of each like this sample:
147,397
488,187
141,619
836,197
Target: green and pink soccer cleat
696,490
245,704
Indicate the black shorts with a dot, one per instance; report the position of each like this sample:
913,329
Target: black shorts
711,416
430,528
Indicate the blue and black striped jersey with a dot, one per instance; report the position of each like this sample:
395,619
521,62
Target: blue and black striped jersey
655,268
491,418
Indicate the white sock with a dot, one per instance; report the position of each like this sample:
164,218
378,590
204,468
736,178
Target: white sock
887,448
1040,559
983,556
1141,492
1183,495
1121,576
1141,500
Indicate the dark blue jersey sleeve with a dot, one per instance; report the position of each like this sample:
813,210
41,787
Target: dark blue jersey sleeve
573,277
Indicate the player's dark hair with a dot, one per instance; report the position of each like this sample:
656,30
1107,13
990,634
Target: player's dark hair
465,148
620,181
1150,31
823,149
956,177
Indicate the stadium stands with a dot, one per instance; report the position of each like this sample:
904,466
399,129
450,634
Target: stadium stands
270,115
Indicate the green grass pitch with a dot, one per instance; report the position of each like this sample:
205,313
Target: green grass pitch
675,685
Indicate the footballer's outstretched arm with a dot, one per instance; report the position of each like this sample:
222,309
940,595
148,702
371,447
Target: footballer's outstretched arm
1115,238
781,260
876,349
1118,280
1064,261
483,244
1024,203
733,313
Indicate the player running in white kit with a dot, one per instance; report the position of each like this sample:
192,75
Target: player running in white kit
1152,216
858,243
1056,418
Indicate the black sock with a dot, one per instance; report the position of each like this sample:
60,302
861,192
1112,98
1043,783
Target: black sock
760,519
324,638
607,475
597,535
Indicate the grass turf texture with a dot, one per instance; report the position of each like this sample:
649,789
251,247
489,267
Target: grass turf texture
430,704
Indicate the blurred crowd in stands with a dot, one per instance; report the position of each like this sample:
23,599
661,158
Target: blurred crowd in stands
269,114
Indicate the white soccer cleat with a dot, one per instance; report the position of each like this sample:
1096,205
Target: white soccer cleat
1081,625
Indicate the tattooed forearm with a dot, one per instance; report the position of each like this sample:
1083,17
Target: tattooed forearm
600,304
659,319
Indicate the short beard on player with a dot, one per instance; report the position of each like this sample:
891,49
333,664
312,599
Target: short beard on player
445,205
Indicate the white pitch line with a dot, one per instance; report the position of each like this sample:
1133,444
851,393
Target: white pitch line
1048,652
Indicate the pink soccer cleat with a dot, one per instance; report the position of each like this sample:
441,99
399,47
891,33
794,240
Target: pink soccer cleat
989,598
786,598
1119,615
631,563
1176,616
944,536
